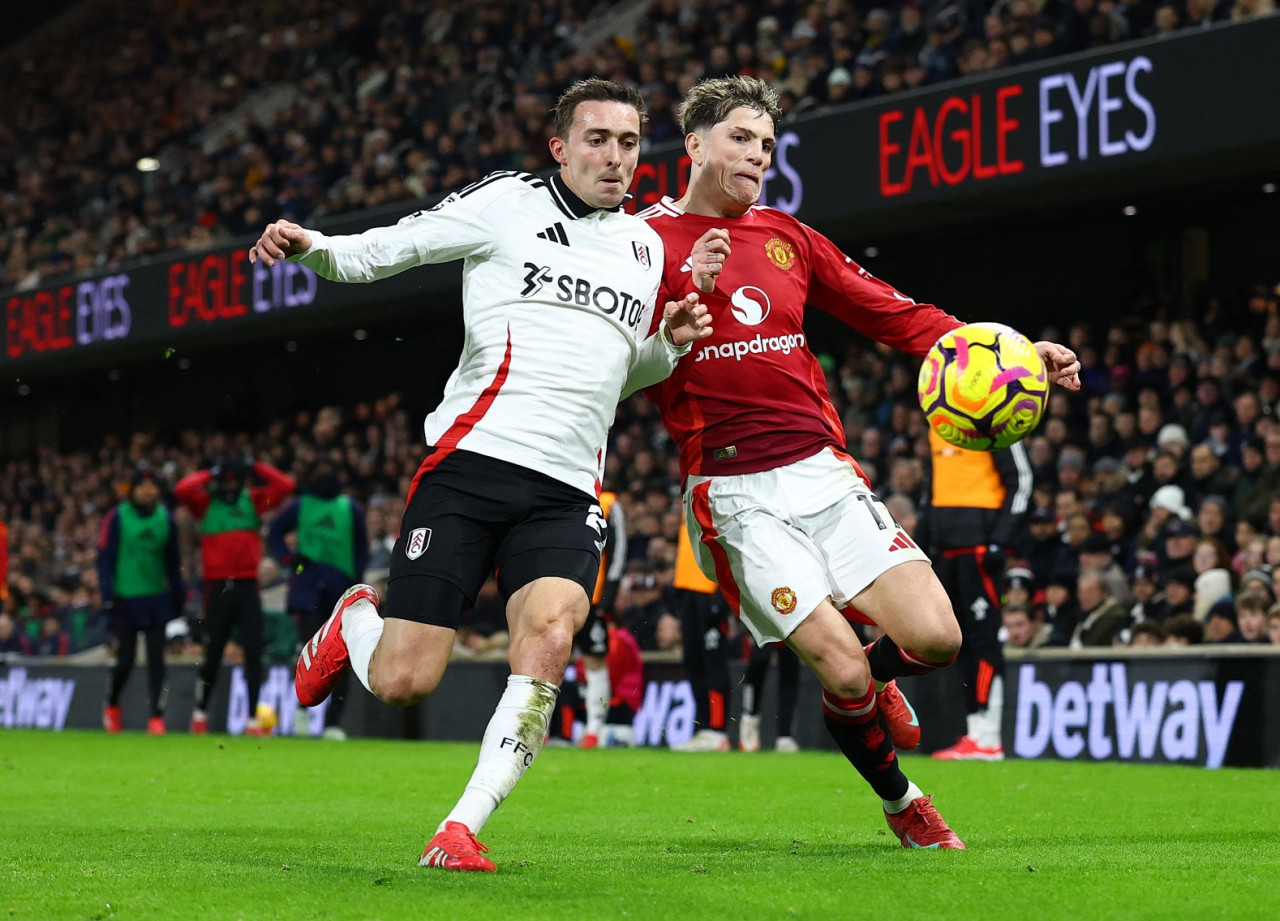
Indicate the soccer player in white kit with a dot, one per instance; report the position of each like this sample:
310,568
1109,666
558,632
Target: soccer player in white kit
558,302
783,518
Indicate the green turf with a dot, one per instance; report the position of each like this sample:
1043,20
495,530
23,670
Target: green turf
125,827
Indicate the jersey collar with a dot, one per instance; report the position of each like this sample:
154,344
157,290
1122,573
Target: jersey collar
568,201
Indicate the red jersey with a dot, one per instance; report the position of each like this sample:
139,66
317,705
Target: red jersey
752,396
626,669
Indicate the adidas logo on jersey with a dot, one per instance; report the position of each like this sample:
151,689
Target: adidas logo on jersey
555,233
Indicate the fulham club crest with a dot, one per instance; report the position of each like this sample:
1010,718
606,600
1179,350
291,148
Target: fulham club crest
418,542
641,251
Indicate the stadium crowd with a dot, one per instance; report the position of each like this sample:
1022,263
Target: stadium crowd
1156,512
326,107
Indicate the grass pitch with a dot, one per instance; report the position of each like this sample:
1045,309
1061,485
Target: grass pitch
131,827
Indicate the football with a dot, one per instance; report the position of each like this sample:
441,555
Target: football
266,715
983,386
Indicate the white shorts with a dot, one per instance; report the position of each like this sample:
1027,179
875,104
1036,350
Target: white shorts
782,541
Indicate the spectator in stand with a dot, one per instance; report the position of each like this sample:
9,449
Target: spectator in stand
1147,633
1045,553
229,509
1102,618
1095,554
1220,623
52,640
1259,579
1180,592
1115,525
1251,616
140,578
1060,608
1148,603
1209,478
1178,544
1020,586
13,641
1212,523
1183,630
1256,502
1024,628
1252,455
1273,624
1212,563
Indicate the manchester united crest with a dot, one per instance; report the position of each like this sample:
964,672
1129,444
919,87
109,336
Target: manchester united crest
780,253
783,600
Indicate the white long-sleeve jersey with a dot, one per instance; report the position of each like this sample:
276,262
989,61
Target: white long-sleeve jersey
558,300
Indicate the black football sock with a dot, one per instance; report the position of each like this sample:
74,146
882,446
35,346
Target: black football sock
860,729
889,661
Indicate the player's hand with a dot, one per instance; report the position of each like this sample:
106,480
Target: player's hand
708,258
1062,364
281,239
687,320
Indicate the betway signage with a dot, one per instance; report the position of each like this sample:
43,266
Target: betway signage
1199,711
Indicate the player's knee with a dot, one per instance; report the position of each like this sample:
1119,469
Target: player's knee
942,643
850,677
402,686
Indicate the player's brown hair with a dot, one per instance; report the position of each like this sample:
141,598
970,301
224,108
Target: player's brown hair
710,102
594,89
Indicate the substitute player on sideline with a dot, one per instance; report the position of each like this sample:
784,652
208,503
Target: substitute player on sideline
977,512
558,302
781,514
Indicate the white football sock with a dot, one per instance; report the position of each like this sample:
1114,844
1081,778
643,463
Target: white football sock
511,742
913,793
597,693
361,629
973,724
989,735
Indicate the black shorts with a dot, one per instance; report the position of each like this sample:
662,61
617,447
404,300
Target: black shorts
472,515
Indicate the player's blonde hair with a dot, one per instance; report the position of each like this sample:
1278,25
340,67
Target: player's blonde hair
710,102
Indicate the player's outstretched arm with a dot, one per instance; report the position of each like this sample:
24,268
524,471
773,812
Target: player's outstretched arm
280,240
687,320
1062,364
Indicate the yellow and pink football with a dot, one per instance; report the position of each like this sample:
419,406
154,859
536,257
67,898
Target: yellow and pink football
983,386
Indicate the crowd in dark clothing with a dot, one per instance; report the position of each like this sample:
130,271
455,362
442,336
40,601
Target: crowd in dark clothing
324,107
1156,507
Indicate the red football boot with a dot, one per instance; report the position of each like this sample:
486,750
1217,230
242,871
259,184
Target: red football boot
325,658
919,825
112,720
904,727
456,848
970,749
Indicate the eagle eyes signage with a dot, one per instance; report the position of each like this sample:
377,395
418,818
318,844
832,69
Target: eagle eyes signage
1067,117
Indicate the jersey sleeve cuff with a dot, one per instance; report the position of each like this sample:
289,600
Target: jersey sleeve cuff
664,332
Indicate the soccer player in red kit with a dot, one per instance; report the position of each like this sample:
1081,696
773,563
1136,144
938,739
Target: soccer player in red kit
781,515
